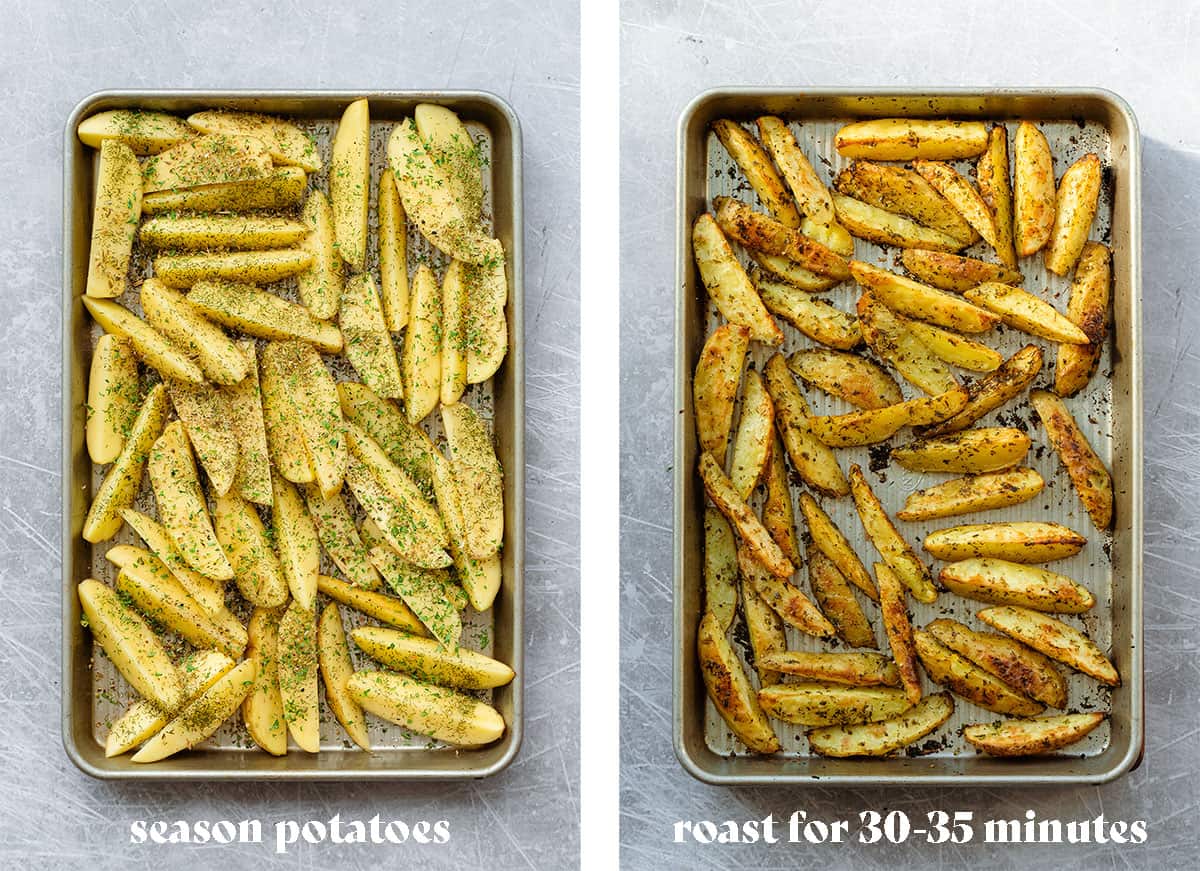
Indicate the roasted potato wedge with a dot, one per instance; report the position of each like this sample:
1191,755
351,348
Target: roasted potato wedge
831,542
320,284
730,690
887,736
817,704
232,232
339,538
114,396
427,660
1078,198
814,317
893,606
859,381
812,197
720,568
333,656
950,347
1092,480
214,158
369,345
962,195
1034,197
287,144
987,579
153,590
903,192
785,599
480,578
895,551
1023,311
424,592
144,132
973,493
993,390
964,678
755,437
908,297
1032,736
421,357
1029,672
715,385
1054,638
283,188
248,267
393,254
754,534
1022,541
791,272
764,626
985,449
871,426
253,481
155,349
299,545
853,669
1088,308
350,183
479,478
455,338
833,236
208,419
297,664
262,709
200,717
996,192
756,166
728,285
256,568
115,215
836,602
886,228
209,594
740,222
812,459
441,713
281,417
263,315
777,514
953,272
169,312
406,445
908,138
380,606
886,335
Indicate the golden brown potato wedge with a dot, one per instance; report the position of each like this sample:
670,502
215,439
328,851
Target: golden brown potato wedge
1034,197
962,677
871,426
973,493
715,385
893,606
753,533
954,349
1092,481
814,317
993,390
754,438
961,194
1054,638
1021,541
994,188
886,736
887,228
720,568
999,582
817,704
908,138
853,669
155,349
283,189
1032,736
114,395
812,197
812,459
262,709
730,689
214,158
833,236
288,144
785,599
144,132
115,215
262,314
920,301
333,655
791,272
1023,311
1078,197
836,602
756,166
1031,673
895,551
904,192
728,285
778,515
755,230
208,419
954,272
764,627
859,381
886,335
1088,308
986,449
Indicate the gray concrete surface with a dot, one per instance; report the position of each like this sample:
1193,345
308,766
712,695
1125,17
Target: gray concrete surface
53,54
672,50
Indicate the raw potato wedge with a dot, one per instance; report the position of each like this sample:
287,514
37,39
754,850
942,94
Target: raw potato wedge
253,479
145,133
201,717
256,569
208,419
903,192
449,142
115,216
962,677
1023,311
131,645
287,144
1088,309
856,379
454,334
350,183
816,704
720,568
209,594
908,297
410,526
834,545
479,578
812,197
124,478
320,285
262,709
333,655
298,543
908,138
214,158
993,390
893,607
423,592
282,189
887,736
1034,197
961,194
886,335
895,551
715,385
169,312
973,493
986,449
248,267
871,426
777,514
742,517
1092,480
297,663
380,606
1078,197
886,228
155,349
340,539
281,417
154,591
479,478
114,396
728,285
393,254
786,600
992,174
1054,638
761,232
791,272
406,445
369,345
1024,669
441,713
1032,736
954,272
812,459
954,349
999,582
816,318
1023,541
428,661
182,508
836,602
755,436
486,317
852,669
421,358
320,411
263,315
234,232
756,166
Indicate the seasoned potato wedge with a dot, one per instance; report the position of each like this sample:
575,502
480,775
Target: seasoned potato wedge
297,664
200,717
155,349
209,594
987,579
379,606
920,301
424,592
785,599
454,333
961,676
1023,311
1054,638
406,445
895,551
754,438
874,425
256,568
973,493
903,192
287,144
320,284
369,345
262,709
283,188
249,267
887,736
791,272
333,655
950,347
214,158
730,689
1092,480
298,543
764,626
812,459
115,217
261,314
887,228
859,381
817,704
720,568
908,138
208,420
886,335
1078,198
143,132
427,660
954,272
837,603
441,713
169,312
421,357
728,285
350,183
281,417
1034,197
339,538
1088,308
833,236
993,390
479,478
114,395
894,609
755,536
1032,736
986,449
812,197
153,590
320,412
486,317
756,166
253,479
853,669
961,194
480,578
451,146
393,254
777,514
234,232
992,174
761,232
1024,541
410,525
1027,671
831,542
816,318
715,385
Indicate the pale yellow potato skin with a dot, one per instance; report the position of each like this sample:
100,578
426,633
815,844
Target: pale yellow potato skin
421,357
214,158
262,314
209,594
715,385
256,569
115,216
1054,638
234,232
1088,308
994,389
1034,196
908,138
963,677
754,437
1032,736
816,318
406,445
156,593
1000,582
950,347
369,345
1087,471
908,297
856,379
296,538
756,166
339,538
428,661
333,655
262,709
169,312
756,230
886,228
1028,541
145,133
1024,311
973,493
441,713
1023,668
287,144
992,174
896,552
455,339
812,459
479,578
350,183
852,669
281,417
487,320
393,254
320,285
730,689
985,449
954,272
817,704
208,419
728,285
384,608
1078,198
253,480
720,568
201,717
283,189
114,395
902,191
247,267
812,197
297,673
448,140
833,597
152,346
479,478
886,335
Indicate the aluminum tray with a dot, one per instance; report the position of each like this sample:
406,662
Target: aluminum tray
94,694
1111,566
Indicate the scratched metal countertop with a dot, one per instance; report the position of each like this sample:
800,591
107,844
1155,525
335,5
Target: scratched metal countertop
672,50
51,55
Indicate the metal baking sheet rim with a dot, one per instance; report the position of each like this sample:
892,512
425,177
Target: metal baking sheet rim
1129,328
317,766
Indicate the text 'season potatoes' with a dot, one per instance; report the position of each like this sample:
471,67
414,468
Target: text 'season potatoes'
919,327
251,414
